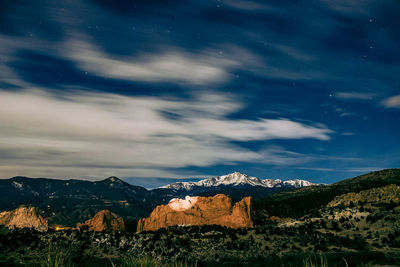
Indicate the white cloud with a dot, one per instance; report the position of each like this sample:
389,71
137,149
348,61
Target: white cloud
210,66
392,102
364,169
170,65
354,96
350,7
317,169
80,134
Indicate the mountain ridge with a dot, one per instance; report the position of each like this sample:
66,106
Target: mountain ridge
73,200
70,201
305,200
236,185
236,179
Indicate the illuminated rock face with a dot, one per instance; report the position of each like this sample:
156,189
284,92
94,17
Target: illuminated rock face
24,217
217,210
104,220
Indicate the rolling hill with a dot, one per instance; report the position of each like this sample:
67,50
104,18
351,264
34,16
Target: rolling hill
306,200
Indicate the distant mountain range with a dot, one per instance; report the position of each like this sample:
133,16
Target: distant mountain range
236,179
236,185
68,202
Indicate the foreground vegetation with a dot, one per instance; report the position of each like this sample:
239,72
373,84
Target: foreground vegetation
339,236
58,260
359,227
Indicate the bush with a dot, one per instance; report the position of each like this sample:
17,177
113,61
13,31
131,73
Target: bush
313,261
56,258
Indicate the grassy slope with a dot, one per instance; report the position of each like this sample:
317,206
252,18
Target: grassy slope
302,201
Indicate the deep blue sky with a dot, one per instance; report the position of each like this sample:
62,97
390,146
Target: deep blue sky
174,89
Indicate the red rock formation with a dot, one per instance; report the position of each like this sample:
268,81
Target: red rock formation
104,220
24,217
199,211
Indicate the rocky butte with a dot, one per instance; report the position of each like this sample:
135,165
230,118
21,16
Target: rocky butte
104,220
218,209
24,217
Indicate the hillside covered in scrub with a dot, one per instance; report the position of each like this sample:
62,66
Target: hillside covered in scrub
306,200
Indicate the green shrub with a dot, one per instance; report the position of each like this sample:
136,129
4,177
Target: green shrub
56,258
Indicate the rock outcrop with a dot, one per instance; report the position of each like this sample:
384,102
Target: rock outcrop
24,217
199,211
104,220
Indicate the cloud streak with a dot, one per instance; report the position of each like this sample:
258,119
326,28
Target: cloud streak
84,134
392,102
171,65
354,95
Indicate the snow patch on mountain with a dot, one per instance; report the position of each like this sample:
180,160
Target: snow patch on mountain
236,179
17,185
298,183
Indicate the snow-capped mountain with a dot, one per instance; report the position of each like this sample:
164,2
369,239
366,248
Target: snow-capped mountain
236,179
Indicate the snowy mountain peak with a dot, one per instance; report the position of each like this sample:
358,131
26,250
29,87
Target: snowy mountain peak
298,183
237,179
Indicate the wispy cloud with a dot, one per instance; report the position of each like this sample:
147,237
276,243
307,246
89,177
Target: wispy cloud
93,134
363,169
347,114
170,64
354,95
317,169
250,6
392,102
349,7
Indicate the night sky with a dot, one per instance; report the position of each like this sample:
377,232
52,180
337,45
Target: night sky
176,89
